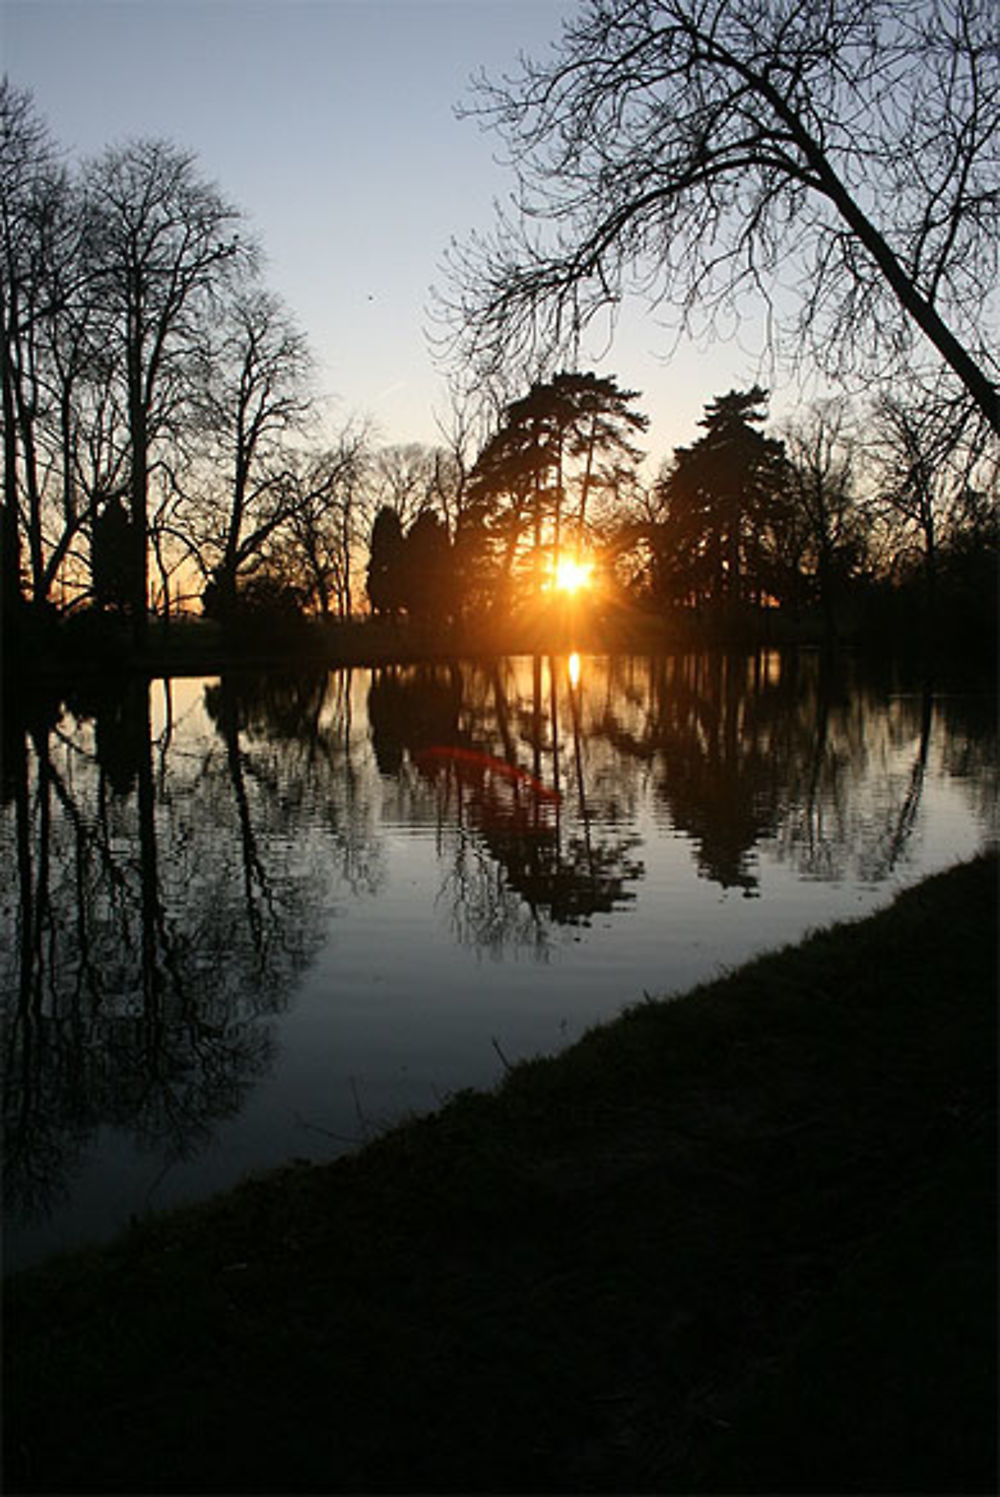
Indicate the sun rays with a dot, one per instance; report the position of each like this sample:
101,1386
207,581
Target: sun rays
571,575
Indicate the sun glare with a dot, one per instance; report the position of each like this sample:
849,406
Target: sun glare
572,575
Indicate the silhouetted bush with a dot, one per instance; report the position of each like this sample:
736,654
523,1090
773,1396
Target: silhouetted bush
264,611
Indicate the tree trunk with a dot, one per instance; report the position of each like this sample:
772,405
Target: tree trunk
139,588
10,533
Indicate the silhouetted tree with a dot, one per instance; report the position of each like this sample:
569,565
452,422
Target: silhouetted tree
700,149
428,582
472,586
410,477
927,449
161,243
111,555
600,426
723,497
268,608
824,509
10,573
324,519
22,143
506,488
140,356
256,396
47,352
386,580
570,432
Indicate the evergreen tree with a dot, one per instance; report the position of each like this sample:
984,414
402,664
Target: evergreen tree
111,556
427,583
569,436
725,496
385,567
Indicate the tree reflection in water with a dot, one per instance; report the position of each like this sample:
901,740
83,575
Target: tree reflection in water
498,766
172,853
161,917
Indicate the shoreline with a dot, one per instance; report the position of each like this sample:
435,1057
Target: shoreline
86,646
743,1239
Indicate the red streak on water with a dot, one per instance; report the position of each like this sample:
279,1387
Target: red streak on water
477,760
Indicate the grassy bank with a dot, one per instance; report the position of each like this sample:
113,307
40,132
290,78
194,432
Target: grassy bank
739,1242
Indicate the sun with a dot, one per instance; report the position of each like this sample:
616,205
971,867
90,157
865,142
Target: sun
571,575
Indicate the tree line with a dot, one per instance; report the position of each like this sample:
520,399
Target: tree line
162,436
819,518
834,166
162,433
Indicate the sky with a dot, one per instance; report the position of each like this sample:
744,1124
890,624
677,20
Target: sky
332,125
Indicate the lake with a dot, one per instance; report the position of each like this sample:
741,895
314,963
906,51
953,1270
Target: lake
257,917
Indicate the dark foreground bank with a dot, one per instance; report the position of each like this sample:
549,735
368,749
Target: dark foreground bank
740,1242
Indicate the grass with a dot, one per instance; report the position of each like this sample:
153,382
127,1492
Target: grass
743,1241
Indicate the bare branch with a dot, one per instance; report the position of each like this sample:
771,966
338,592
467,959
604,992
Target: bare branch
696,151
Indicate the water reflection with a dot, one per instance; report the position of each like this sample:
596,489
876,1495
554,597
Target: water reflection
504,767
175,854
160,909
749,750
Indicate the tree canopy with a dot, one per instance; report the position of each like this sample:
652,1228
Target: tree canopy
157,409
837,156
724,499
567,441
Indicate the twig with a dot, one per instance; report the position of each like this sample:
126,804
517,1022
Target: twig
340,1138
503,1059
365,1130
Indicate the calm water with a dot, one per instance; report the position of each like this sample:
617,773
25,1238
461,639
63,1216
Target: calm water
250,919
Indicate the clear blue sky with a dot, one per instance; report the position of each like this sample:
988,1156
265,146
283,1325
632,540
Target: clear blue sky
331,124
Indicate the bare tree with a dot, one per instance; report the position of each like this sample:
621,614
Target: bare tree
40,346
256,399
162,242
64,452
324,526
696,150
934,468
823,499
408,478
24,149
142,361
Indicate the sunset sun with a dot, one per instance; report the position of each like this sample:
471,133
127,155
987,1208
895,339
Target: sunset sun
571,576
